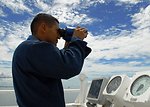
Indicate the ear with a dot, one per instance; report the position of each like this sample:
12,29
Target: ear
43,27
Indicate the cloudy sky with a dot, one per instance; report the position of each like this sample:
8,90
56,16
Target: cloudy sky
119,30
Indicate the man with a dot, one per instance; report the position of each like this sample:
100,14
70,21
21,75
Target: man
38,65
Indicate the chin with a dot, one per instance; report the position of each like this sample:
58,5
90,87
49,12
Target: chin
55,44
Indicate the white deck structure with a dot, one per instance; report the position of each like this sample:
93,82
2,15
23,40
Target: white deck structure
119,91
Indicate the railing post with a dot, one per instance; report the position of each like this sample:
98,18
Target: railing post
81,99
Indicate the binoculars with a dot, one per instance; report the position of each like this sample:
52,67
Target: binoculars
65,32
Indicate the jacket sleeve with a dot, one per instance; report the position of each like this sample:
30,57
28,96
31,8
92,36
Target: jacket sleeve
48,60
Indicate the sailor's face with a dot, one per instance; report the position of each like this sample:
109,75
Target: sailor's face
52,34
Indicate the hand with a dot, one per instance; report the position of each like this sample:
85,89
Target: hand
80,33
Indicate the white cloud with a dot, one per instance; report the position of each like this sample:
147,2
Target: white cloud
4,55
142,19
67,2
88,3
40,4
120,47
85,2
130,1
11,35
133,63
15,5
68,14
91,67
2,32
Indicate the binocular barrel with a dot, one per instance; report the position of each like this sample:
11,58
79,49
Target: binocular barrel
65,32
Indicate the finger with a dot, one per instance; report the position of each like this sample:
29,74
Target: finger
85,34
78,27
84,30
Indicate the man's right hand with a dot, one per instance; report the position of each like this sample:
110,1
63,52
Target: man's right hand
80,33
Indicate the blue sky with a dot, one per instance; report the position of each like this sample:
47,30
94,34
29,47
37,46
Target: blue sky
119,30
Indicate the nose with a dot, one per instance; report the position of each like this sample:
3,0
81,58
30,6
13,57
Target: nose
58,36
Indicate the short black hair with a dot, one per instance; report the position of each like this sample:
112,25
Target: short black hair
39,18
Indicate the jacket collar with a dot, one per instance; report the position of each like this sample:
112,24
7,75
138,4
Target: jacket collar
32,37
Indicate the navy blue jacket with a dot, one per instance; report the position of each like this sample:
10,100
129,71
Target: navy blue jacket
38,68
